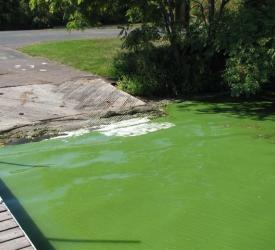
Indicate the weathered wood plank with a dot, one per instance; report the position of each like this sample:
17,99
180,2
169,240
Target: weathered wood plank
13,233
2,208
5,216
12,236
27,248
15,244
8,224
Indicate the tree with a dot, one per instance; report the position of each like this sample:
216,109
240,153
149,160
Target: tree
251,47
234,41
17,14
81,13
185,31
185,46
13,14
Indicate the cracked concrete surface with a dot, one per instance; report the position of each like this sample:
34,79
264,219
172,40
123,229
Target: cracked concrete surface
37,94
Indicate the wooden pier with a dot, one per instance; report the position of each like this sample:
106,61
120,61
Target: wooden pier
12,236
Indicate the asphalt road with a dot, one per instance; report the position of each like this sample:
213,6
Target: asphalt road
16,39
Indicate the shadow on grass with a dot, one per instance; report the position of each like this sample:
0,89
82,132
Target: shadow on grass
262,108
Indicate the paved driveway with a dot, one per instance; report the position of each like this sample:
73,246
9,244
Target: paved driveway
15,39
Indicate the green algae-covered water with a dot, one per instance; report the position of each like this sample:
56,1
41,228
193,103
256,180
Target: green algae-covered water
208,183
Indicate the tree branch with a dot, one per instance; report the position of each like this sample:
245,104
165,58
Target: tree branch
200,5
166,19
223,4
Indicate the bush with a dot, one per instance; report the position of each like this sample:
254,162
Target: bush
250,48
136,73
249,68
232,48
156,71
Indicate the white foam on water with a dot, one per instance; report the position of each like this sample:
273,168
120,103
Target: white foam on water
23,69
126,128
73,133
18,66
133,127
44,63
43,70
31,66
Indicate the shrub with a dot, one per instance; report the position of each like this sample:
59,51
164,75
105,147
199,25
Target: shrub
249,68
156,71
231,51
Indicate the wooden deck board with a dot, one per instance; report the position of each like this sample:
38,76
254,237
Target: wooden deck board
8,224
5,216
12,236
2,208
15,244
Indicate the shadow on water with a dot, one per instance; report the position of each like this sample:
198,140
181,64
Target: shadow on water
31,229
96,241
24,165
39,240
261,108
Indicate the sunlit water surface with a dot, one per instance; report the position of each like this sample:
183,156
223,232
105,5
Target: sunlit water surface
208,183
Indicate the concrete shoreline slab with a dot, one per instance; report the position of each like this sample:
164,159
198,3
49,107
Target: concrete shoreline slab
46,96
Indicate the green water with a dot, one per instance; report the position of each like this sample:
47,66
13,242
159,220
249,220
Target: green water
206,184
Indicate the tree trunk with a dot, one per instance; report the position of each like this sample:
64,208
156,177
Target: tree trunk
183,13
211,17
211,11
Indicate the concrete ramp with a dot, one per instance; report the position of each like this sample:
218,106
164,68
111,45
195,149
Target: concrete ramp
77,99
38,94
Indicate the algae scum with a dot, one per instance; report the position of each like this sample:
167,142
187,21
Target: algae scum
208,183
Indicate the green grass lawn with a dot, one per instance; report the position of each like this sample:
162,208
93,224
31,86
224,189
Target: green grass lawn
95,56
